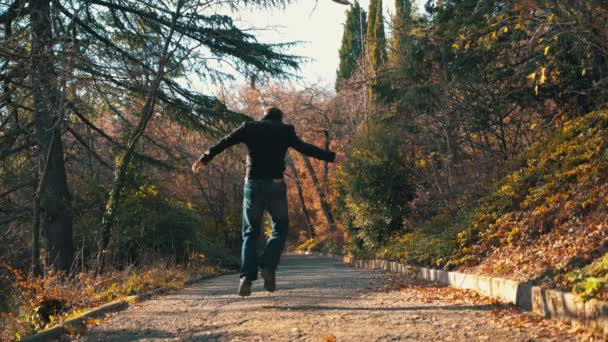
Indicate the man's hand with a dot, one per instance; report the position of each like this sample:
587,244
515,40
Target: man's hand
197,166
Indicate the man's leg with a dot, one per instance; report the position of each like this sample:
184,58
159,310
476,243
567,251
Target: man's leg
253,211
277,207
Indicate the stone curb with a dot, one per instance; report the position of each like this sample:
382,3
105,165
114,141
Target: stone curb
547,302
117,305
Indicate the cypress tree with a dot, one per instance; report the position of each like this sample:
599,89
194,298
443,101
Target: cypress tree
376,44
373,6
379,55
402,21
351,48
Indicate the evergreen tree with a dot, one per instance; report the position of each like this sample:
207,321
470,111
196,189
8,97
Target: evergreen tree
402,22
351,48
376,46
377,38
373,5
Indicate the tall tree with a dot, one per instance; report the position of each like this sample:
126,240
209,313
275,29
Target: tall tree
52,201
352,42
402,22
376,46
329,216
373,8
376,35
126,156
305,211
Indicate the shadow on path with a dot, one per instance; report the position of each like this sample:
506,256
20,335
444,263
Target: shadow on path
384,308
316,297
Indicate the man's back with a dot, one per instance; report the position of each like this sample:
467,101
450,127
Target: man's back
267,142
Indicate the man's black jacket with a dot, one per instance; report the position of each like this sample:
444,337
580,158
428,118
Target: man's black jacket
267,142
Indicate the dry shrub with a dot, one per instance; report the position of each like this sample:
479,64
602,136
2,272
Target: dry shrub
35,303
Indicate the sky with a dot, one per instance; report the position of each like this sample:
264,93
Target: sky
317,24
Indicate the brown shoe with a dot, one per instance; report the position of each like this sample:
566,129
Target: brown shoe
269,280
245,287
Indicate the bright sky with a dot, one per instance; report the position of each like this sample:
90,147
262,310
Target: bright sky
318,24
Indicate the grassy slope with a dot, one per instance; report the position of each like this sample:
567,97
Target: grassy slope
545,221
549,216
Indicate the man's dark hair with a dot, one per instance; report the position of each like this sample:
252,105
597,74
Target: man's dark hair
273,114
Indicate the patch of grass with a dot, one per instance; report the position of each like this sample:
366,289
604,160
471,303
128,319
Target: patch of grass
591,281
323,245
421,248
431,242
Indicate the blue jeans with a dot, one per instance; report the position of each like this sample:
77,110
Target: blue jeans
261,195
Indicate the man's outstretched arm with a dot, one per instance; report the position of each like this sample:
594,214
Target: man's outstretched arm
230,140
308,149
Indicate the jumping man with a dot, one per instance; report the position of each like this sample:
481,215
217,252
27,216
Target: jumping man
267,142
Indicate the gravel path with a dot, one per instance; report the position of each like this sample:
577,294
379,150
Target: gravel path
319,299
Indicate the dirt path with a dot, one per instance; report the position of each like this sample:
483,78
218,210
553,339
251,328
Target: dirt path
320,299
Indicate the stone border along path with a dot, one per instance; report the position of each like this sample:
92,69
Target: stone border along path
546,302
322,299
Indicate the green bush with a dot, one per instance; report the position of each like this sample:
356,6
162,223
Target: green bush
592,280
150,224
218,254
374,186
430,244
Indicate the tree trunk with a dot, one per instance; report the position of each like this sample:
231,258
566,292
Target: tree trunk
326,164
55,201
36,269
122,164
324,205
294,171
126,156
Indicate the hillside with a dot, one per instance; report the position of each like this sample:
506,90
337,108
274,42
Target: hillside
548,215
545,220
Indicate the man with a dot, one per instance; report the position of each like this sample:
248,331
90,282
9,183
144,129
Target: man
267,142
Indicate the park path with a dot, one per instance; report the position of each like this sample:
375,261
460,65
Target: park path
319,299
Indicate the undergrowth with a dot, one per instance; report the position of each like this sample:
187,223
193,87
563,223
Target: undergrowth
590,281
324,245
557,189
36,303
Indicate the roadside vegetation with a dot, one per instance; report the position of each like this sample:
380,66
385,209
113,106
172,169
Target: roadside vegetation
34,304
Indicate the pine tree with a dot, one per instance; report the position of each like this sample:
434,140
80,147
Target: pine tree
351,48
402,22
